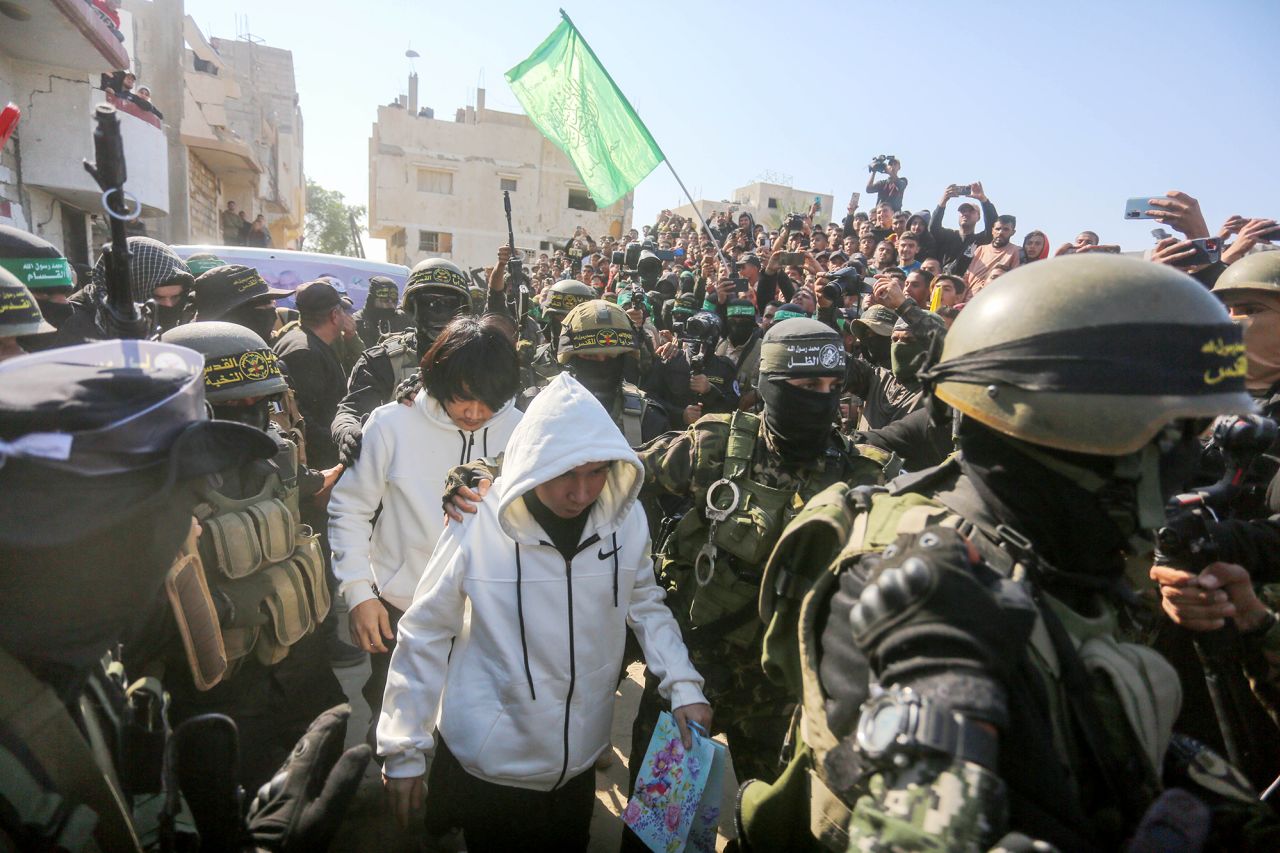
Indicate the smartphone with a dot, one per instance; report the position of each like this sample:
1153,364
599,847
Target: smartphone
1270,235
1136,208
792,259
817,202
740,285
854,198
1207,251
964,189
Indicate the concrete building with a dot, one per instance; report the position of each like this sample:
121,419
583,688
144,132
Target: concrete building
52,56
435,185
768,203
228,125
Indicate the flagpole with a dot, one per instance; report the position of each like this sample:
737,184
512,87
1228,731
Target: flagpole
732,268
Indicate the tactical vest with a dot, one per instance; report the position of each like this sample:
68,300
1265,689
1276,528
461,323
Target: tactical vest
401,349
260,559
724,606
850,523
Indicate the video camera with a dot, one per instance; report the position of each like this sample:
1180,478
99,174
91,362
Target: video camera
794,222
880,163
848,280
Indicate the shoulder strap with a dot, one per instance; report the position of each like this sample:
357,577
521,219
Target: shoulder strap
744,429
31,711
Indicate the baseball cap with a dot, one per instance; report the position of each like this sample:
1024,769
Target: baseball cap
750,258
223,289
876,320
318,297
969,205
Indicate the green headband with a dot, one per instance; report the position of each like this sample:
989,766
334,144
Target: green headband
203,265
741,311
40,273
779,316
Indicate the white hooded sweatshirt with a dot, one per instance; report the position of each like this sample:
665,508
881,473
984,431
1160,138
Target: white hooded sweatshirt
528,687
406,452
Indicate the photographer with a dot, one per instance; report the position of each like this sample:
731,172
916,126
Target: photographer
692,380
741,346
890,188
954,248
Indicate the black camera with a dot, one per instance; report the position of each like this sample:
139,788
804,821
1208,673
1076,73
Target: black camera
794,222
880,163
833,292
696,327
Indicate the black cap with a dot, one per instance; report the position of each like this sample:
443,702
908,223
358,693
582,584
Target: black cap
223,289
750,258
319,297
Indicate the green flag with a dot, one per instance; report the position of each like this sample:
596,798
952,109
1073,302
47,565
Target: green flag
575,103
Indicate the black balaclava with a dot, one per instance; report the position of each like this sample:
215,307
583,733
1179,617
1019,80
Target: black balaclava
800,421
876,349
431,315
602,378
254,317
257,416
167,316
56,313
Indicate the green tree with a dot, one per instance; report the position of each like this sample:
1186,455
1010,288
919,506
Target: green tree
328,224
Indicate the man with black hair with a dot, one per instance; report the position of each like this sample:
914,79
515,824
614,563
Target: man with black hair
889,190
885,257
384,515
908,246
314,371
954,247
1000,254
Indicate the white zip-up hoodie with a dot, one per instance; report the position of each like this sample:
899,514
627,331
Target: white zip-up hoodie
528,687
406,453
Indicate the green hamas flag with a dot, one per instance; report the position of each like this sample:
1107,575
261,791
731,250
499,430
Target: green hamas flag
575,103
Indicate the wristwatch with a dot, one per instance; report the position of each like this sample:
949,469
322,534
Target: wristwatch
899,723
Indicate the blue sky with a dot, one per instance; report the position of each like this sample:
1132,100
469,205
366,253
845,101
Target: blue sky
1063,111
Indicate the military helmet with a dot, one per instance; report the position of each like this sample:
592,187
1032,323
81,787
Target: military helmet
802,346
1257,272
1091,354
439,275
19,313
597,327
237,363
566,295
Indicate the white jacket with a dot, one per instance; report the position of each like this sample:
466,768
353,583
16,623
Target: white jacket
406,452
528,687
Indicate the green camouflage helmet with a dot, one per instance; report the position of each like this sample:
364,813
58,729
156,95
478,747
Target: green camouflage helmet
597,327
1092,354
237,363
566,295
1258,272
439,275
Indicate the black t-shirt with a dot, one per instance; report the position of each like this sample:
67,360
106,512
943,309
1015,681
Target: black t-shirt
890,191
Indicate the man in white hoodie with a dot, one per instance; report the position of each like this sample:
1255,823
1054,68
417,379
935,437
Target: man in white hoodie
465,411
554,570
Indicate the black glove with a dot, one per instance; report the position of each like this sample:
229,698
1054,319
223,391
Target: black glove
348,438
408,388
1177,822
303,804
935,617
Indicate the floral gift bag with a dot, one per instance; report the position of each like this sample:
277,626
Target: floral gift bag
676,804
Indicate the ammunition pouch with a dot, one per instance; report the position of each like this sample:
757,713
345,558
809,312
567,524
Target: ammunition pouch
197,617
267,567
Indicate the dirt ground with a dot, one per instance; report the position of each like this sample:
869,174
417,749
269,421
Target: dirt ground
369,827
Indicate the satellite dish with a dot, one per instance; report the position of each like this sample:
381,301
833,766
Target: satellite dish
412,54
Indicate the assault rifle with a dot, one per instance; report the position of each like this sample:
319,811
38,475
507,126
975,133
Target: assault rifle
119,315
1187,542
517,281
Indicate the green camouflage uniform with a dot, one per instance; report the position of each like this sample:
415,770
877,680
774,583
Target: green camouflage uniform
752,711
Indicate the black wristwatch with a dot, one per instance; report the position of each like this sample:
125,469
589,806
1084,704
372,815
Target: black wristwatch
900,723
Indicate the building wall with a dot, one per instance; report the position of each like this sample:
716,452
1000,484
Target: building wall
202,211
412,159
755,198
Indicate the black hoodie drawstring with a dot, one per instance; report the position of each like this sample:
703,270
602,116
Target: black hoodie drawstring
615,569
524,645
467,443
486,442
